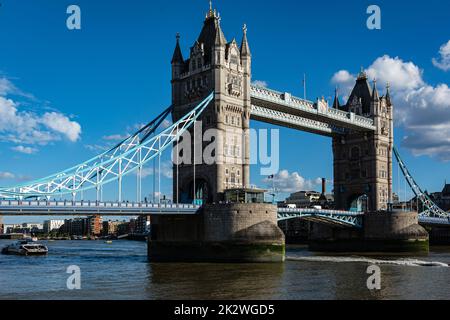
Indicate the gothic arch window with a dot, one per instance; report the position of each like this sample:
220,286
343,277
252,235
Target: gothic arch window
199,62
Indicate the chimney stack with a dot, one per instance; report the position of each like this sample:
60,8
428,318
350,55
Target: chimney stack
324,186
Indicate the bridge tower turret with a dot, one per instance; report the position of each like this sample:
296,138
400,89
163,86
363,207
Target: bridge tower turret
363,162
225,68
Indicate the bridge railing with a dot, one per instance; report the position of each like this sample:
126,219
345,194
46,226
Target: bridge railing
94,204
318,211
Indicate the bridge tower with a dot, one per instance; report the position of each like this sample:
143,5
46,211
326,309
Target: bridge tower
225,68
363,162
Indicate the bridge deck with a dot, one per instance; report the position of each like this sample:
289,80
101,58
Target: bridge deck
69,208
89,208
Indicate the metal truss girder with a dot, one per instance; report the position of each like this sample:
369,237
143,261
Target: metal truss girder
124,159
431,209
342,218
264,96
288,120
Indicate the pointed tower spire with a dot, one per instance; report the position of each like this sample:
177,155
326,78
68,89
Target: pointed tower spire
336,103
245,50
362,74
220,37
375,95
388,94
211,13
177,55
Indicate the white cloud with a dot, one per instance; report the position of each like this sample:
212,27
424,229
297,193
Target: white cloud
26,150
62,124
401,75
97,147
260,83
166,170
27,127
6,175
343,76
291,182
443,62
115,137
345,80
6,87
423,110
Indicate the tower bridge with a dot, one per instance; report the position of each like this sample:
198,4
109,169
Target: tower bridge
213,85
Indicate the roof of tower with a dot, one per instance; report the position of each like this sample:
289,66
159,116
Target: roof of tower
375,95
336,103
388,94
446,190
211,33
362,91
177,54
245,49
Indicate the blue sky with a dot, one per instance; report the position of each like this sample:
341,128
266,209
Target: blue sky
114,74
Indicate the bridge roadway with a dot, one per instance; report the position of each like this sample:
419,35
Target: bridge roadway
89,208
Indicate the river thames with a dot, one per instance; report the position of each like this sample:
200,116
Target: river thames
121,271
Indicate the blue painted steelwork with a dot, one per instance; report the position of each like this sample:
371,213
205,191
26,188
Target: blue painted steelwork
431,209
128,156
342,218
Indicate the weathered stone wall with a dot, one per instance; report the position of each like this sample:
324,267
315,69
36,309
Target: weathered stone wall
221,232
176,228
393,225
229,222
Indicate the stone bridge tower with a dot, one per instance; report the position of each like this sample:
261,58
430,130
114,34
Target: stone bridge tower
363,162
213,65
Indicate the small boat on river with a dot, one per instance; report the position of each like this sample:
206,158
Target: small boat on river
26,247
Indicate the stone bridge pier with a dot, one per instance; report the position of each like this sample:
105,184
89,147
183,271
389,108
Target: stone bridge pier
382,231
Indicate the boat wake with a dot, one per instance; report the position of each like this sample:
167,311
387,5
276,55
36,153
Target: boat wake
399,262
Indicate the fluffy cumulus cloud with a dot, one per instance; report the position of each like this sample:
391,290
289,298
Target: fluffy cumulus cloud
61,124
260,83
345,80
291,182
166,170
26,127
422,109
443,62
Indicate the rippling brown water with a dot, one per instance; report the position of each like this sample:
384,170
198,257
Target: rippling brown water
121,271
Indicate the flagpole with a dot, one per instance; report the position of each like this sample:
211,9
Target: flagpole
304,86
